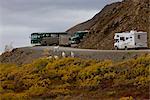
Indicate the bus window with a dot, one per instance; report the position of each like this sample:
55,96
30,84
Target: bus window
38,36
47,35
54,35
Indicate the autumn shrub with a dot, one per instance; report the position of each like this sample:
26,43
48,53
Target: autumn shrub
14,96
49,78
70,73
132,70
92,75
36,90
40,63
127,98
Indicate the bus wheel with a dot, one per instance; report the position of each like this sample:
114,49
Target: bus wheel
45,43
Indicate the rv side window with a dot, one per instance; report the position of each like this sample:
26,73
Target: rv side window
116,40
117,35
122,38
139,36
127,38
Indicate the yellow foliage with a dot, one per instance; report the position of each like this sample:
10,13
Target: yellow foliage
36,91
66,76
127,98
14,96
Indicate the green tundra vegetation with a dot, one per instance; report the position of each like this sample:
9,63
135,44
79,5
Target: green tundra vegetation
74,78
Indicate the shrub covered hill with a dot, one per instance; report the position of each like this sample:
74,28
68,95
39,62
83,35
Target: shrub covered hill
116,17
76,79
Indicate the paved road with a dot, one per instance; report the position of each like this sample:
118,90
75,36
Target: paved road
115,55
82,50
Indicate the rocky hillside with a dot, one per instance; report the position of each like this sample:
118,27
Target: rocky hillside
116,17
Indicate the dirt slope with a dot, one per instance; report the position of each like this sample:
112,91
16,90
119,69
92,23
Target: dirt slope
116,17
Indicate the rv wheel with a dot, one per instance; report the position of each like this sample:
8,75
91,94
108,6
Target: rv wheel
116,48
126,48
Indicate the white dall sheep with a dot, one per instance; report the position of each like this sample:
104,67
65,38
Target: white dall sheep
49,57
56,49
63,54
56,57
72,54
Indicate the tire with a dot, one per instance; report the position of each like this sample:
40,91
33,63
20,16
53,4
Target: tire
116,48
43,43
126,48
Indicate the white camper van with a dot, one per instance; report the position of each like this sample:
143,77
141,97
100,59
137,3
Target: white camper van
130,40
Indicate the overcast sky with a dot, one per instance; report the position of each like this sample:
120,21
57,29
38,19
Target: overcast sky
19,18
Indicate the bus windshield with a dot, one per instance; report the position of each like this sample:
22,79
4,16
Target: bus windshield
35,36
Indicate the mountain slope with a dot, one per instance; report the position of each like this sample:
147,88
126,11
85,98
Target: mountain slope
116,17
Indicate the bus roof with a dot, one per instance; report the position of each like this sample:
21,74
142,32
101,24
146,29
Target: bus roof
50,33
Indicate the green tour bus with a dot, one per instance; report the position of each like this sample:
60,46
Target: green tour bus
57,38
78,36
46,38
